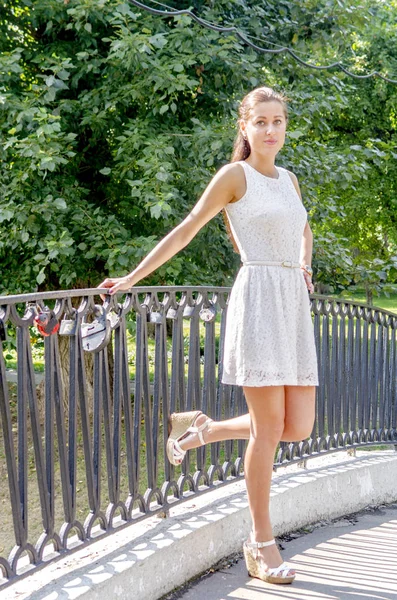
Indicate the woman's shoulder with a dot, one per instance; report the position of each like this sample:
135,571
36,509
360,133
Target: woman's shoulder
232,175
232,172
232,168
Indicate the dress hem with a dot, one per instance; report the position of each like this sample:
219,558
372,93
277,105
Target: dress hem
269,383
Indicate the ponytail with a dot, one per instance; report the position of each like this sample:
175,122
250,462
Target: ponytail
241,151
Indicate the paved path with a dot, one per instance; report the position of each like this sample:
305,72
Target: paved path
352,559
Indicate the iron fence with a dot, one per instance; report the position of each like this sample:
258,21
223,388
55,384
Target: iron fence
83,444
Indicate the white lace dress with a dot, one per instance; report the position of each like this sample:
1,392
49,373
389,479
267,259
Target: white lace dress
269,332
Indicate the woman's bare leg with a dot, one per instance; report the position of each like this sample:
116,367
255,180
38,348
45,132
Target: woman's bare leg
299,418
267,414
277,413
237,428
299,412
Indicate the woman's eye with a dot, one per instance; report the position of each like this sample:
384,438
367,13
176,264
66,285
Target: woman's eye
276,122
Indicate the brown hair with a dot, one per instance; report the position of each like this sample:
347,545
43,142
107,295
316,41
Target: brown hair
241,147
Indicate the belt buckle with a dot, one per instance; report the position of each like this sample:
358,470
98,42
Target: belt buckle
287,263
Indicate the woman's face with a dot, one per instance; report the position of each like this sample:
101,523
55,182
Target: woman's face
265,128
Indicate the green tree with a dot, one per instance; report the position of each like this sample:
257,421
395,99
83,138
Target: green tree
114,120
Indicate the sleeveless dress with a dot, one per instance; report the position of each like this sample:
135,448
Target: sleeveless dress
269,338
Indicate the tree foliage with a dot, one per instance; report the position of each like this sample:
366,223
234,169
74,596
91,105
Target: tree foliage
113,121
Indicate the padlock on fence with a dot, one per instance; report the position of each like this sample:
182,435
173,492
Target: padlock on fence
96,335
68,326
45,321
156,317
188,311
172,313
208,313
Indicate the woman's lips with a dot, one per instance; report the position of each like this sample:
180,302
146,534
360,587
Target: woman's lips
271,142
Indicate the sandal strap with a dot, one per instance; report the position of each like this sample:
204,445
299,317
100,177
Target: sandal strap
178,452
199,430
265,544
281,571
258,545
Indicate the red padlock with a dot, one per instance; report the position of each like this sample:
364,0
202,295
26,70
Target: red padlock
46,322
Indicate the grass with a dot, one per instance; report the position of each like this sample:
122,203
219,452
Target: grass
384,302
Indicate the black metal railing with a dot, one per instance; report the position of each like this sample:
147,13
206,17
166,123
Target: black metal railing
84,408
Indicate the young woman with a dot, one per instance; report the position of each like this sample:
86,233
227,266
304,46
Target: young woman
269,343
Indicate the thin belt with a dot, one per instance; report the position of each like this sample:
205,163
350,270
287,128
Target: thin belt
273,263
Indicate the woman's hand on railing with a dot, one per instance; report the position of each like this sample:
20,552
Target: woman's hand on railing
117,284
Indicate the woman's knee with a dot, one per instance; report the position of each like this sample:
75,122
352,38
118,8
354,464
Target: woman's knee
267,412
267,432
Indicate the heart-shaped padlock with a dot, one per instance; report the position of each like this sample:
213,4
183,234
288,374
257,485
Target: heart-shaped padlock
45,321
96,335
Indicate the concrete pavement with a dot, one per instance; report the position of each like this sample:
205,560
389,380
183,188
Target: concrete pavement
154,556
353,558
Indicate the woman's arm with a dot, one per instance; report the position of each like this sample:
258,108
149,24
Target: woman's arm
220,191
305,258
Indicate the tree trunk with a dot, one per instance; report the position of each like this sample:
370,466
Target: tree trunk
369,295
63,344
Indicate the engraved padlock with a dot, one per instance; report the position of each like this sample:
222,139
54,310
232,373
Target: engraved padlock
208,313
96,335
